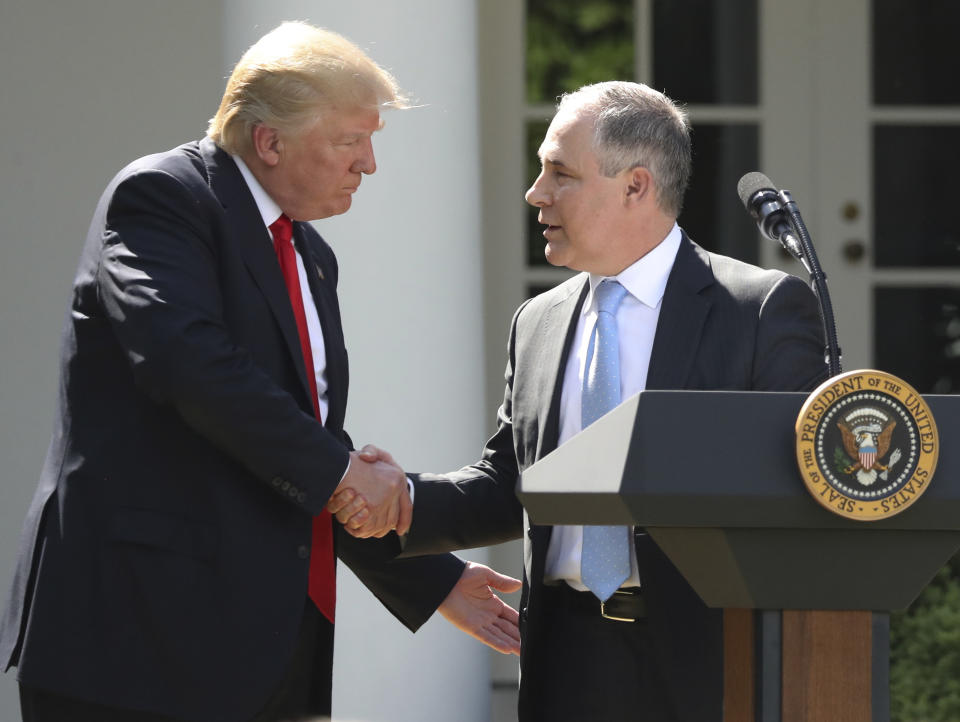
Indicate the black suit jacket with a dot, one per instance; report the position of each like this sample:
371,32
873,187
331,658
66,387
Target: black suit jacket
163,562
723,325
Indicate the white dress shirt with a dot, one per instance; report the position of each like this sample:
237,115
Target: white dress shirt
637,317
270,212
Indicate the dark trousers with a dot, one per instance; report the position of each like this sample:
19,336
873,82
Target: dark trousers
591,668
303,693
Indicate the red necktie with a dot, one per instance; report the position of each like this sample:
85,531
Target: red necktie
322,584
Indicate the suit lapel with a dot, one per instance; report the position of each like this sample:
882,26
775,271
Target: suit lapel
556,332
682,316
246,232
554,338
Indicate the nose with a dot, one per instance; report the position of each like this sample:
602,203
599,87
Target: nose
366,161
536,194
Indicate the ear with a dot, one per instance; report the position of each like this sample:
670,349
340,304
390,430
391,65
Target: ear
639,185
267,144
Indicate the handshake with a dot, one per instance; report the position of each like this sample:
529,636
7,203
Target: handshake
372,499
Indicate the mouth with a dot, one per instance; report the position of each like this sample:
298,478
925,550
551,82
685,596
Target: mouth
550,227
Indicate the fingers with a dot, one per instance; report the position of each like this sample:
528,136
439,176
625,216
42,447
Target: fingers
388,520
349,508
472,607
509,617
499,640
342,499
375,499
405,518
510,629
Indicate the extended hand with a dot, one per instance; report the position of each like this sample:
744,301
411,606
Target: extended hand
472,607
372,499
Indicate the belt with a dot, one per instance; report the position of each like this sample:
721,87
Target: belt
626,605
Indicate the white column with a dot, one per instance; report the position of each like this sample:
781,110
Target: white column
410,290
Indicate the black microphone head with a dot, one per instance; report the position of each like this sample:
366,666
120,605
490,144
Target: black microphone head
751,184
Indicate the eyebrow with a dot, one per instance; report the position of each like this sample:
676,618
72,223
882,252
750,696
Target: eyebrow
556,162
356,135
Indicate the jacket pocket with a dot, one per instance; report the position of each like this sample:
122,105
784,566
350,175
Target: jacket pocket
168,532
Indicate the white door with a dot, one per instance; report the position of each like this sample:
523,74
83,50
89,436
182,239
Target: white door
849,104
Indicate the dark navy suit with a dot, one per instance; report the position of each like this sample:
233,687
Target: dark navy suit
163,562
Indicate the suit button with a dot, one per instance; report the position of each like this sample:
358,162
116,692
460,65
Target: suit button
303,551
301,497
276,481
523,614
285,485
293,491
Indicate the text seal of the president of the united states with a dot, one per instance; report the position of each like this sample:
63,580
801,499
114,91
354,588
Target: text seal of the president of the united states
867,445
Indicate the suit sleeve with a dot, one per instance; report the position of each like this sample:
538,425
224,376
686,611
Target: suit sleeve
158,283
477,505
789,351
410,589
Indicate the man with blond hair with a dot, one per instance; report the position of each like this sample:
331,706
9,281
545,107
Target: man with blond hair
177,562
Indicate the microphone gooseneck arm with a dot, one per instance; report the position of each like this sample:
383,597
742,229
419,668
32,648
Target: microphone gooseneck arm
779,220
818,280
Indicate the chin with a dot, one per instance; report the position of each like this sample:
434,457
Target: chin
337,210
554,256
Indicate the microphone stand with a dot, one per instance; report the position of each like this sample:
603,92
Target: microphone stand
818,280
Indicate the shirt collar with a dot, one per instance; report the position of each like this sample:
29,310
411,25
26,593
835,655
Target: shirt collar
645,279
268,208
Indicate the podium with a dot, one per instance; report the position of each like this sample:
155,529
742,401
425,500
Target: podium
713,477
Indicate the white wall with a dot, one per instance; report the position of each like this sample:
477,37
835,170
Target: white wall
410,261
85,86
88,85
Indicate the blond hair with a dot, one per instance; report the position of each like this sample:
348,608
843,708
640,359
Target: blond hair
289,77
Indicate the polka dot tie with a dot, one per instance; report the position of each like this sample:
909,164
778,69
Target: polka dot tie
605,559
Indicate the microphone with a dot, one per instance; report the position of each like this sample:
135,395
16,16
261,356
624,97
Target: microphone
779,219
763,203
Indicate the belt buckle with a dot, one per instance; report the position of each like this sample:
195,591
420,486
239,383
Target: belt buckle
603,609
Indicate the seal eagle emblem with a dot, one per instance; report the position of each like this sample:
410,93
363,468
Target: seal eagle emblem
867,445
866,434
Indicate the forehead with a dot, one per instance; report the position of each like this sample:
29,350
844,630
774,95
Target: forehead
570,136
353,121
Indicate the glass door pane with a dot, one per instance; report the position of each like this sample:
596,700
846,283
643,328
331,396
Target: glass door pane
915,52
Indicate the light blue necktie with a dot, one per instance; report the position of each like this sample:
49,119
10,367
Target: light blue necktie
605,559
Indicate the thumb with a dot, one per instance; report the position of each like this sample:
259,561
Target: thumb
374,453
502,583
370,453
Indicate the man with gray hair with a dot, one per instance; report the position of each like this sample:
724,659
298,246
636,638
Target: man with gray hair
610,629
177,562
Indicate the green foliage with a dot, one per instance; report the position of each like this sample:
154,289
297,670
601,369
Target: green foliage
841,462
925,653
575,42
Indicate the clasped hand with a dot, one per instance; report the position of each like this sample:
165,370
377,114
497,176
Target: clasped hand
372,499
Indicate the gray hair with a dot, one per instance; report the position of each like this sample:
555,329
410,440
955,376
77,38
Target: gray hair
636,126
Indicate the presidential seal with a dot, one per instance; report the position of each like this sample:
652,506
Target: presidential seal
867,445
